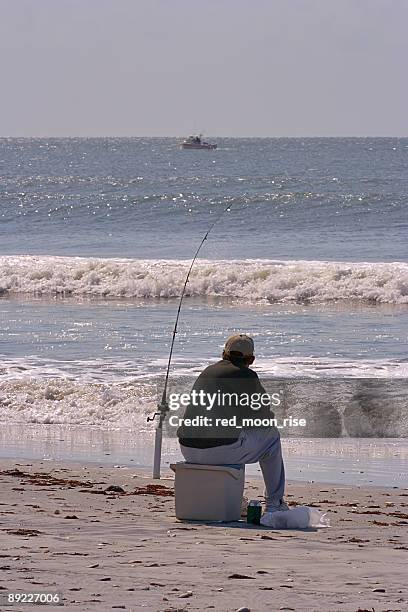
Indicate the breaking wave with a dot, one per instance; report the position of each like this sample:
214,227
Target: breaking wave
332,408
58,401
244,280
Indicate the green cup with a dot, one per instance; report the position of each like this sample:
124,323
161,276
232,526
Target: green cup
254,512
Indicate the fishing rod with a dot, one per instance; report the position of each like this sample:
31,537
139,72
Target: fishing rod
163,406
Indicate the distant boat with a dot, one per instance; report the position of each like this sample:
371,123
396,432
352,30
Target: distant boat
197,142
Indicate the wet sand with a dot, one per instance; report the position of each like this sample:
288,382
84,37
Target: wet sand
359,461
62,531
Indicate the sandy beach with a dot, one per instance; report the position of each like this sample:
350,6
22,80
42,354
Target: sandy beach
64,531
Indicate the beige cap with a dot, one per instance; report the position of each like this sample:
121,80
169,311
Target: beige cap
239,343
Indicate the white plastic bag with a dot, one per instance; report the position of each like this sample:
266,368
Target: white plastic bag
300,517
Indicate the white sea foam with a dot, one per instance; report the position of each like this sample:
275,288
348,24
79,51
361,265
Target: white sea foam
331,408
119,371
120,395
244,280
68,402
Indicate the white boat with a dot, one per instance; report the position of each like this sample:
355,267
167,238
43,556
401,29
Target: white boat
197,142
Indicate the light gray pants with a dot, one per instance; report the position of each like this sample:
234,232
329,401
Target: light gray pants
253,445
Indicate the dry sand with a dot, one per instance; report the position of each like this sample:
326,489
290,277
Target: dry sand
62,533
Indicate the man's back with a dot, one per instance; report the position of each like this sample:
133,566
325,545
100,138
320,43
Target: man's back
225,390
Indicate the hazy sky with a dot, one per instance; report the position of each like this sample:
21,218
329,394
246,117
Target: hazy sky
224,67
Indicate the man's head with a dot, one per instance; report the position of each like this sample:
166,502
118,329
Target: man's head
239,349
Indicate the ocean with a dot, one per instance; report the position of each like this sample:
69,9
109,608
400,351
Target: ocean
96,236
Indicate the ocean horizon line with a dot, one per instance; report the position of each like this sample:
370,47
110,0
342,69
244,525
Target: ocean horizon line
210,135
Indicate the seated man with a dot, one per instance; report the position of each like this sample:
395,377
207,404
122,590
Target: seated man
219,445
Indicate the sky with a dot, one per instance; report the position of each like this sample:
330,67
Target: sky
222,67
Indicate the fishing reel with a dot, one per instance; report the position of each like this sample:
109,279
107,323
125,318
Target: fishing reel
153,417
163,409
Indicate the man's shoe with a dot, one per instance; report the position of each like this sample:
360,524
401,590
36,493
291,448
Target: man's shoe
281,507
